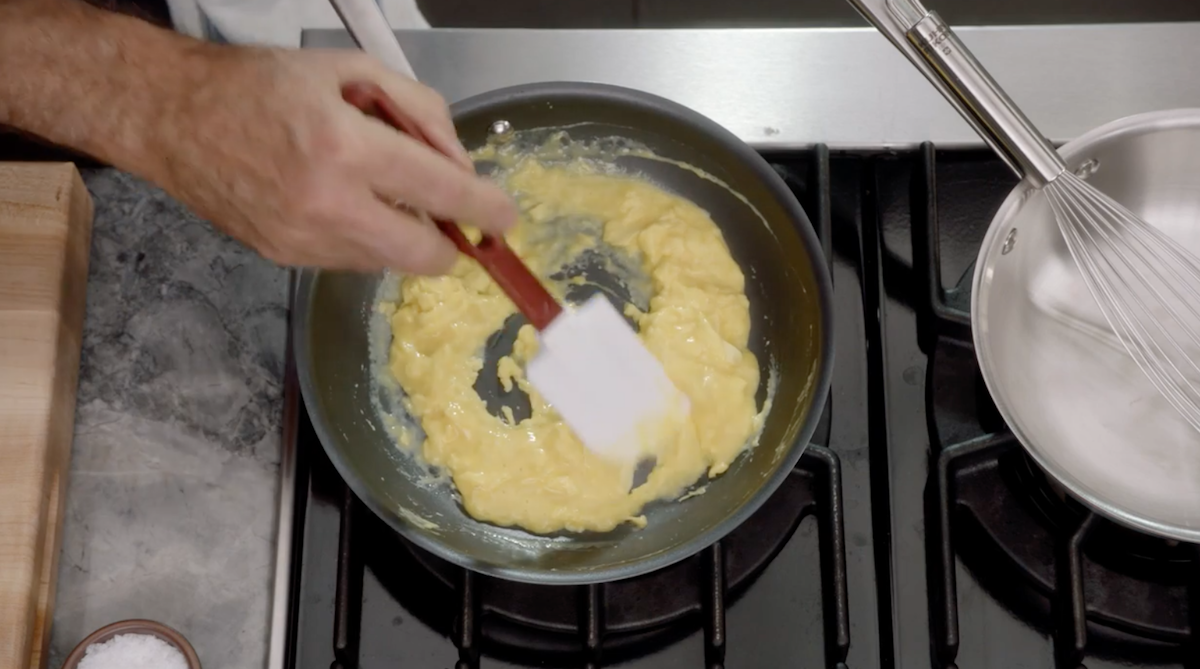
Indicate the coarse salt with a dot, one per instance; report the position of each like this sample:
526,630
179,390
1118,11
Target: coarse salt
133,651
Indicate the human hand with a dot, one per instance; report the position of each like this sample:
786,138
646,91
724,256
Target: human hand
261,143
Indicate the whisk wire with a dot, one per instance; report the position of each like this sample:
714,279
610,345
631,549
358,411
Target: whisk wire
1132,334
1118,254
1158,366
1149,237
1087,201
1122,225
1102,291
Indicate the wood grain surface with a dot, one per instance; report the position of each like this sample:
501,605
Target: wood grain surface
45,232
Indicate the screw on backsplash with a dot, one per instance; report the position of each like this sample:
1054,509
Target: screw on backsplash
1087,169
1009,242
500,131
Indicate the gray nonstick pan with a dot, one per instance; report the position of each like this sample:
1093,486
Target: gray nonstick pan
789,290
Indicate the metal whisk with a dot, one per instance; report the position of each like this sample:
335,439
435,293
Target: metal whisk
1144,282
1146,285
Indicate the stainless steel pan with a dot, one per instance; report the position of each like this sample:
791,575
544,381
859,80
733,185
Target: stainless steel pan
1057,374
787,283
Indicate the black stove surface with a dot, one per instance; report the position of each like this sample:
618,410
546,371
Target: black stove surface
992,564
913,533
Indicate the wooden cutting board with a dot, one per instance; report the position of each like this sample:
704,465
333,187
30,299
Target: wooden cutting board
45,233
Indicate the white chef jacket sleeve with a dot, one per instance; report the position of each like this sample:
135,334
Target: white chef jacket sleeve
274,22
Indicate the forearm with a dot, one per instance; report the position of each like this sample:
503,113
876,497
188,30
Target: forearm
91,80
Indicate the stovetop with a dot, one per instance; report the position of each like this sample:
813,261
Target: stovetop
913,533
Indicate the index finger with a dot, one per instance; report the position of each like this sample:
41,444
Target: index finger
402,168
419,107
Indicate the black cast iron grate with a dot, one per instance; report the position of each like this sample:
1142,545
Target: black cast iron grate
1097,589
594,643
719,574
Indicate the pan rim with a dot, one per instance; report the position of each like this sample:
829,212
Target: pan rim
1187,117
801,224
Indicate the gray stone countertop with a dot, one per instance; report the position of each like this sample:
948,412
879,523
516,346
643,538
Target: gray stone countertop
171,504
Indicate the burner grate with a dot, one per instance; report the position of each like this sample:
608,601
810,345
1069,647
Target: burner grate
819,470
1096,589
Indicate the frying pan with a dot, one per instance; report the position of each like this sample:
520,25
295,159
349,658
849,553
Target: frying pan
789,291
1058,376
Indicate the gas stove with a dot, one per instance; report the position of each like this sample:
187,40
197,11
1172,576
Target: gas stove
913,526
913,533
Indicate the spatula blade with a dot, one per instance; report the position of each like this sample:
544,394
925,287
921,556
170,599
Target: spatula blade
607,386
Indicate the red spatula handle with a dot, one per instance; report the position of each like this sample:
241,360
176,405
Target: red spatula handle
492,253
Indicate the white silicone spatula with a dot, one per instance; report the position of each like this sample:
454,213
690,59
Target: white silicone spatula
590,366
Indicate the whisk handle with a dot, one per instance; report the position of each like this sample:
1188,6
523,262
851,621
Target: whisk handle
368,27
1008,129
933,48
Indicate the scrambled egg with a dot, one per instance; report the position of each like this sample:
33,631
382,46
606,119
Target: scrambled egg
534,473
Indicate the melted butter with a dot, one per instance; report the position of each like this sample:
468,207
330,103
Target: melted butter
688,301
